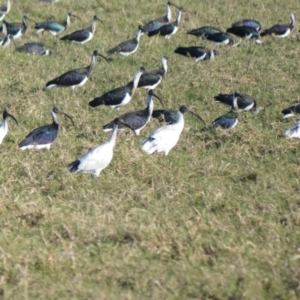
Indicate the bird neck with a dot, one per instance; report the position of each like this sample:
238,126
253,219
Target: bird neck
24,22
292,24
150,104
93,26
4,28
164,66
91,66
138,35
169,13
136,79
67,22
113,136
178,17
4,124
7,6
54,118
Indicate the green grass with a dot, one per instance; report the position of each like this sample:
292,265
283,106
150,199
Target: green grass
218,218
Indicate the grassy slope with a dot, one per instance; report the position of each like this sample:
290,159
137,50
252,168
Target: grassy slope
216,219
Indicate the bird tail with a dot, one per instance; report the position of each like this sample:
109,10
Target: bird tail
112,51
264,33
148,145
96,102
74,166
181,51
51,83
65,38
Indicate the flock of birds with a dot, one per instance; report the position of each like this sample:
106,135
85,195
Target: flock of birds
164,138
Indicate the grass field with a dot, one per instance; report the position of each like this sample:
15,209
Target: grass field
218,218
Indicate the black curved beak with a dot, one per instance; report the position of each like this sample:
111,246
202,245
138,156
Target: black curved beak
151,92
198,116
99,54
96,18
63,113
7,114
120,121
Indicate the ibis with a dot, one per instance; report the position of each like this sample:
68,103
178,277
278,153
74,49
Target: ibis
136,119
247,22
196,52
246,32
98,158
151,79
120,96
54,27
44,136
157,23
291,111
294,131
17,29
221,38
226,121
204,31
128,47
280,30
83,35
4,126
169,29
4,10
34,48
75,78
164,138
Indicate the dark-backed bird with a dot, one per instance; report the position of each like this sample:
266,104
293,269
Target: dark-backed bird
34,48
44,136
245,32
151,79
157,23
4,126
120,96
4,10
128,47
221,38
196,52
247,22
294,131
280,30
136,119
204,31
98,158
75,78
83,35
226,121
169,29
7,41
54,27
163,139
17,29
291,111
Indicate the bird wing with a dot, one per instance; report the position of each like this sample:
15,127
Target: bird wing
42,135
79,35
126,46
74,76
148,79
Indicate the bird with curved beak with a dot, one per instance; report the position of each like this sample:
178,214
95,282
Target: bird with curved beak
4,126
128,47
82,36
98,158
120,96
54,27
164,138
44,136
17,29
34,48
137,119
157,23
75,78
197,53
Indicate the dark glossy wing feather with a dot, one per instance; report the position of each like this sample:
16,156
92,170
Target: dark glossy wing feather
243,31
33,48
193,51
219,37
203,31
148,79
165,115
73,77
113,97
276,29
124,47
153,26
226,121
226,99
78,36
247,22
40,136
295,109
